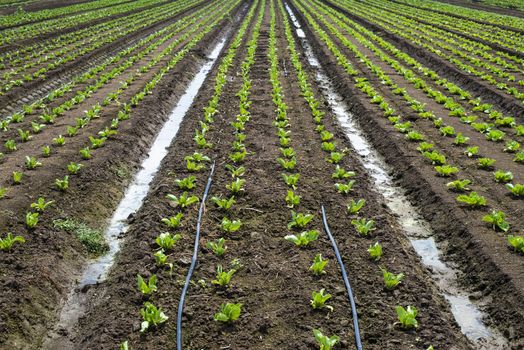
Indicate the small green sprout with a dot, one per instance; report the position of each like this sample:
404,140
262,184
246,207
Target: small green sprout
167,241
318,265
390,279
228,313
407,317
304,238
152,316
325,342
497,219
363,226
146,288
8,242
223,278
375,251
318,300
230,226
218,246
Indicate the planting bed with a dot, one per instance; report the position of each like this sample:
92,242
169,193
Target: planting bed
275,92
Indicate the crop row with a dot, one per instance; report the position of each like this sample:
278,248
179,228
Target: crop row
497,219
28,31
469,56
31,66
98,140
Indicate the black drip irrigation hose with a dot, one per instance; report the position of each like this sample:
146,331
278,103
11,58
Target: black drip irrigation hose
346,280
193,261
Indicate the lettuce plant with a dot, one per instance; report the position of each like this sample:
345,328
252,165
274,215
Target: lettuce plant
17,177
24,135
299,220
390,279
292,199
183,201
161,259
146,288
375,251
40,205
85,153
503,176
512,146
8,242
287,164
519,157
31,220
459,185
291,180
236,186
516,189
62,184
485,163
10,145
517,242
471,151
224,203
318,300
32,163
318,265
446,170
424,147
152,316
407,317
460,139
223,278
230,226
173,221
228,313
335,157
187,183
304,238
354,207
3,191
167,241
46,151
473,200
218,247
73,168
325,342
59,141
341,173
345,188
124,346
236,171
363,226
497,219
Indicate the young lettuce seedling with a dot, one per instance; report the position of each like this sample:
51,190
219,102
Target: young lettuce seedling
85,153
407,317
517,242
32,163
345,188
391,280
167,241
473,200
503,176
292,199
291,180
486,163
223,278
335,157
124,346
59,141
230,226
517,189
146,288
519,157
236,172
354,207
497,219
304,238
228,313
287,164
152,316
3,191
224,203
299,220
375,251
187,183
363,226
173,221
40,205
459,185
325,342
46,151
31,220
73,168
341,173
218,246
8,242
236,186
318,300
62,184
318,265
183,201
161,259
446,170
17,177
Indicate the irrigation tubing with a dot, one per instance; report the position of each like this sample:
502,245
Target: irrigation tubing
193,261
346,280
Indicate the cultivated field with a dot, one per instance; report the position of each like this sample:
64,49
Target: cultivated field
262,174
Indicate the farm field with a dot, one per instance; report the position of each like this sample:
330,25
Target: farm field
261,174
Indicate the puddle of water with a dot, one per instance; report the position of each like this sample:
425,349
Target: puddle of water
98,269
467,314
